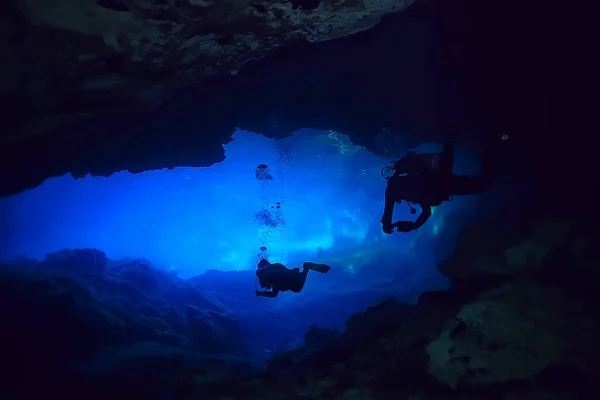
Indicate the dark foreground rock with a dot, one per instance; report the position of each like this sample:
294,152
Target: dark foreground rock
94,58
78,321
514,332
70,319
520,322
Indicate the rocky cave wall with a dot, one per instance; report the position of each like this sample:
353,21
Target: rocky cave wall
520,322
75,60
94,70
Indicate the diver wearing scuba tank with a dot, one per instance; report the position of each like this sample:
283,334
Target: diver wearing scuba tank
277,277
428,180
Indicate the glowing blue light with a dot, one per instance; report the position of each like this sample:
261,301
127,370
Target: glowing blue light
194,219
190,220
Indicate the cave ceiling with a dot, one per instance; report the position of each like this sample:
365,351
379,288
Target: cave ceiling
99,86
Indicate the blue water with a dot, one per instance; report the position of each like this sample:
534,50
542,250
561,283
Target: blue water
195,219
191,220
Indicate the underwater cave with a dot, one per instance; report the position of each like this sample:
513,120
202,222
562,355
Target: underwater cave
313,196
196,198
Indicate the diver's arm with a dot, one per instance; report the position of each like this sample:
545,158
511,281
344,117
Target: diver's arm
423,217
409,226
388,211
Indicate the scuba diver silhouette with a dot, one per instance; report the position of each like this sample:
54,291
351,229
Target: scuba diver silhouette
278,278
427,180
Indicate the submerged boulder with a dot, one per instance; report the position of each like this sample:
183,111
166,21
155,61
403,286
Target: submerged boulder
515,333
528,303
506,334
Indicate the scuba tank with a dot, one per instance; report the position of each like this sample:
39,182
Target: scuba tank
412,163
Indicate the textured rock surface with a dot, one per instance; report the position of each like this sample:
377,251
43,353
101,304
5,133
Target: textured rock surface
488,249
401,75
517,341
510,333
524,336
70,61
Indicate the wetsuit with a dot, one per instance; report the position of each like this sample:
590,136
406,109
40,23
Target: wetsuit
428,184
277,277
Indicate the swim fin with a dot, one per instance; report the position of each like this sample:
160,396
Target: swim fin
322,268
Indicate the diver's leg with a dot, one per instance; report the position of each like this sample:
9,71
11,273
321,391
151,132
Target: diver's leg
322,268
300,280
446,161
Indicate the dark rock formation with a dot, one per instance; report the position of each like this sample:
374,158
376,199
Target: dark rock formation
68,314
539,248
532,309
519,335
73,61
519,322
394,76
81,317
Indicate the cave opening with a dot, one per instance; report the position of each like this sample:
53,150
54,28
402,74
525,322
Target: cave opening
113,278
208,225
324,193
